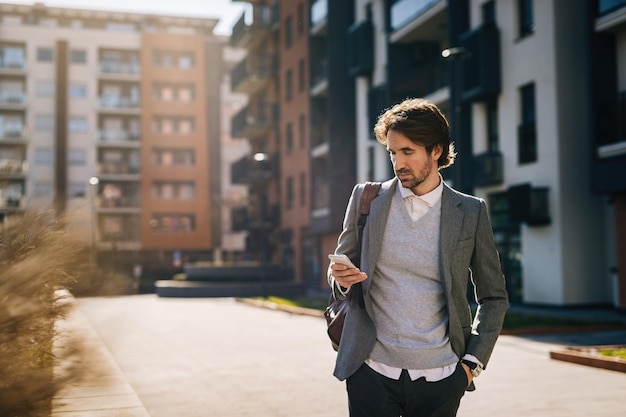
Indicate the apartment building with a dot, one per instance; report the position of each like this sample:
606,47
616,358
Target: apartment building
257,76
295,246
607,27
514,78
114,120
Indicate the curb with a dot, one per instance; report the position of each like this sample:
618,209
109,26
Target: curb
281,307
588,356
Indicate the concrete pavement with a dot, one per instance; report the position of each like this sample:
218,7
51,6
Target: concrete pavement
215,357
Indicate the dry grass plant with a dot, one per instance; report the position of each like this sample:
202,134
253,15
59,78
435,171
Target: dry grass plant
38,257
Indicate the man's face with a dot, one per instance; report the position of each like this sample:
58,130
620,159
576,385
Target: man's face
414,166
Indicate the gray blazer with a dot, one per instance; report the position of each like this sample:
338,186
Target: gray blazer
467,254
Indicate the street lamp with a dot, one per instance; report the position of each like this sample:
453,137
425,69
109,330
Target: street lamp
92,192
456,54
260,175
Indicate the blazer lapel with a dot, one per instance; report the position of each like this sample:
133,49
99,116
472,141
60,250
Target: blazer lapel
451,222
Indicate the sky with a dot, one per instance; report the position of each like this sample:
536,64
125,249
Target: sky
227,11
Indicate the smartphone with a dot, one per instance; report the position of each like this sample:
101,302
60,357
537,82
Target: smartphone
342,259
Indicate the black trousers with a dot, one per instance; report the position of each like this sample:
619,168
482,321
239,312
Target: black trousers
371,394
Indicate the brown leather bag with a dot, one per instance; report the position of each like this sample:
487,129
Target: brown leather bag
336,311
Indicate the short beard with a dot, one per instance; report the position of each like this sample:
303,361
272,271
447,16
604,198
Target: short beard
415,181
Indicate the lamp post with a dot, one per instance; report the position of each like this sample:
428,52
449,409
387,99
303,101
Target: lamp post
460,172
260,175
93,192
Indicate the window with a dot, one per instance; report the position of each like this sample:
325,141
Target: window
76,189
301,76
289,139
174,190
526,22
77,124
303,189
77,157
44,156
45,54
173,223
289,85
527,131
44,89
78,56
44,122
77,91
492,126
288,31
173,125
300,18
290,192
302,129
173,157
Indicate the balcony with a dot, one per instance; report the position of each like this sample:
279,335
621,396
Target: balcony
120,69
12,99
118,197
361,48
11,198
119,103
319,78
118,231
488,169
12,60
254,121
250,171
412,20
118,138
13,135
249,36
13,168
419,81
253,73
319,17
481,65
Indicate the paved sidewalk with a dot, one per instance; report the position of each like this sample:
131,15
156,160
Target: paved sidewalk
220,358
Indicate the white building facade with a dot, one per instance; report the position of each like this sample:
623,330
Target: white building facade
516,88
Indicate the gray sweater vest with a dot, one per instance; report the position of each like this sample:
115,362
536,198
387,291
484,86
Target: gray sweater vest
409,309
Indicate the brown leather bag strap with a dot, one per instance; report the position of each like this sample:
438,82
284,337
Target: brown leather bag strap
370,192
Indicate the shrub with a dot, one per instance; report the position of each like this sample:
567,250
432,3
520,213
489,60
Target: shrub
38,257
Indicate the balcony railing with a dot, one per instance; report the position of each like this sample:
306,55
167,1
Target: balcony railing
12,97
12,167
117,136
119,102
12,63
117,168
253,73
420,81
119,202
249,35
120,68
488,169
254,121
12,134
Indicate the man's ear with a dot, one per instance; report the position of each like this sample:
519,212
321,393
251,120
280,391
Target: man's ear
437,151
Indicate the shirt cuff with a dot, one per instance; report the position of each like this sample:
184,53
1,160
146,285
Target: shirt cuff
473,358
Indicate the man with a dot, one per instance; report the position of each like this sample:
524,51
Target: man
411,347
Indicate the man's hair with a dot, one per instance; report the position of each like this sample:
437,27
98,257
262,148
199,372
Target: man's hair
420,121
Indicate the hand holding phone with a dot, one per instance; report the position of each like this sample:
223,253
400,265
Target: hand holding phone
342,259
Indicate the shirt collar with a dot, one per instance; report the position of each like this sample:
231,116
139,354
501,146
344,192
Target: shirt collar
431,198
